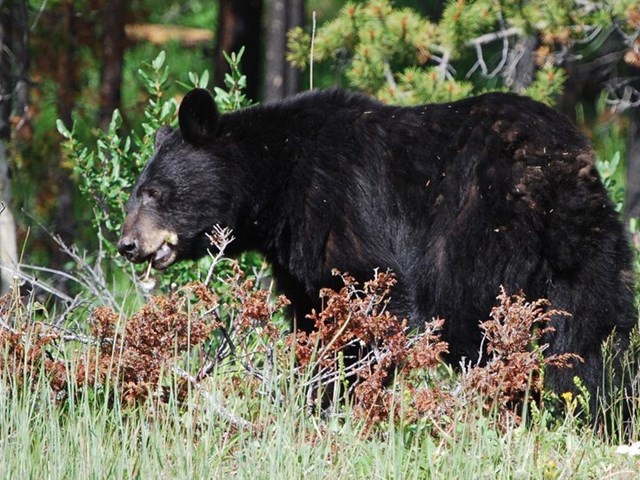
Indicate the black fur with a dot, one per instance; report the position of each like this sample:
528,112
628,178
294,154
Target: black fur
456,199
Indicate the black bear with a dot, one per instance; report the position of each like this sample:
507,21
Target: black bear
455,199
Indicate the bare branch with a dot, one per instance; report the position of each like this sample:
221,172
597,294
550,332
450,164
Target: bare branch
220,238
444,68
389,76
623,96
213,405
35,281
493,36
477,44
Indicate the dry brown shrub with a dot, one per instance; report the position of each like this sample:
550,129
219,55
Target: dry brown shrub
356,339
355,325
131,354
24,346
134,353
254,309
514,369
358,349
140,356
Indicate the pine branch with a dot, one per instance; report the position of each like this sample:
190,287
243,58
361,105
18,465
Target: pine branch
493,36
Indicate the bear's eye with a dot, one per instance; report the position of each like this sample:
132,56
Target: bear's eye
150,194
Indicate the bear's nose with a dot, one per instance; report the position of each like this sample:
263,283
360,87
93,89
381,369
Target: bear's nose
128,246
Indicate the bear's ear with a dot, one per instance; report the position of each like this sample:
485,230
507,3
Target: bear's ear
198,117
161,135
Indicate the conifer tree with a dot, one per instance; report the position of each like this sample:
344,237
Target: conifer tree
401,57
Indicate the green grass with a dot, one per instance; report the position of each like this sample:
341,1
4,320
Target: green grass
87,436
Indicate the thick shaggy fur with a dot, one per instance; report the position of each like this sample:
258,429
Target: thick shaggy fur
456,199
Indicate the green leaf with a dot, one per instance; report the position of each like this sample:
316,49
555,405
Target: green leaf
144,75
116,121
63,130
204,80
158,62
239,55
614,161
168,109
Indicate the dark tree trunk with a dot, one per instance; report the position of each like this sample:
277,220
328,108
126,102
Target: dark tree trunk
21,55
295,19
113,47
6,77
67,73
67,91
633,170
275,70
239,24
281,79
11,27
6,68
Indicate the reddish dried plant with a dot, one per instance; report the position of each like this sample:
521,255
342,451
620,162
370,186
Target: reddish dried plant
356,319
353,318
23,347
358,339
134,353
514,369
357,349
253,308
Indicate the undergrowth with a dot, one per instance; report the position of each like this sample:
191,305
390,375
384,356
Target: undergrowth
208,381
359,354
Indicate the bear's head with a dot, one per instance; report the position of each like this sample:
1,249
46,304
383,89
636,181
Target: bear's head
184,190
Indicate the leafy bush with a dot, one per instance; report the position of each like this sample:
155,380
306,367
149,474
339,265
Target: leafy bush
107,171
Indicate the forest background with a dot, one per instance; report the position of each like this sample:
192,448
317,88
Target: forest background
106,370
78,61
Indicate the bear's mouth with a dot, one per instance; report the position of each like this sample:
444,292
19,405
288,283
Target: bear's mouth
166,252
163,257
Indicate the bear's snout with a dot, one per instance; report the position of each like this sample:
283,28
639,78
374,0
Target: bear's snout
128,247
142,241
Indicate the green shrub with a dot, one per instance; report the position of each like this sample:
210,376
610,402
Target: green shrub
106,172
